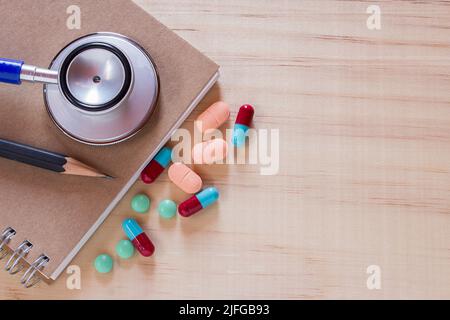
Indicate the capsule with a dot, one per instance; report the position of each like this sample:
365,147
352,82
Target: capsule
213,117
185,178
156,166
138,237
198,202
242,124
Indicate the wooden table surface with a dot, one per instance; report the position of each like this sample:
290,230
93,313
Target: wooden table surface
364,179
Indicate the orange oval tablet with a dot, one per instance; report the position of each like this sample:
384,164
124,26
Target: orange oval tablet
213,117
184,178
210,152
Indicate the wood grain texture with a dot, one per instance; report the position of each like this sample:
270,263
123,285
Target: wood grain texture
364,120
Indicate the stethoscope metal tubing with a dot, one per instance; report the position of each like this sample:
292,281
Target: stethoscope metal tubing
34,74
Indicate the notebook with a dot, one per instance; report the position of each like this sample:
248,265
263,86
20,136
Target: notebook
57,214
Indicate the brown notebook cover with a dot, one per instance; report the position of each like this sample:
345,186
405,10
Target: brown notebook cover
58,213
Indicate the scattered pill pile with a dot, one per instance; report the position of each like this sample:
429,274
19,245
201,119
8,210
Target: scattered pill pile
184,178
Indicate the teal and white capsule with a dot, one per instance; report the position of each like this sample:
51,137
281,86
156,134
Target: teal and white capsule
201,200
242,124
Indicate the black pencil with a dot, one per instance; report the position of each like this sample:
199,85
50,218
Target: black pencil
47,160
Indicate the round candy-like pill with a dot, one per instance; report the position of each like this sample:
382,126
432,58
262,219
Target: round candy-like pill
210,152
103,263
140,203
125,249
185,178
167,209
213,117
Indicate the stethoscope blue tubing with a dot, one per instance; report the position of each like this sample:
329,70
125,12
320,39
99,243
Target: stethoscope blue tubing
10,71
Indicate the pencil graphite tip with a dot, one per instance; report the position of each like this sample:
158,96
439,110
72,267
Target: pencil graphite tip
109,177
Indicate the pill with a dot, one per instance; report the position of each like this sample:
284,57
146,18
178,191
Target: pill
125,249
185,178
167,209
103,263
140,203
138,237
242,124
198,202
156,166
210,152
213,117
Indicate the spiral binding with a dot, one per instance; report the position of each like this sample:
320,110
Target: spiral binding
5,238
15,262
29,278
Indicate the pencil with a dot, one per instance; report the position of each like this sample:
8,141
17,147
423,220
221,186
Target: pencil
47,160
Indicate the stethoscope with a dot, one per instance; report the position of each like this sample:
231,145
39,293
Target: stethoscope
100,89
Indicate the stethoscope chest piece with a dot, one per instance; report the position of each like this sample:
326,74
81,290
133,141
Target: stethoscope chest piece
107,89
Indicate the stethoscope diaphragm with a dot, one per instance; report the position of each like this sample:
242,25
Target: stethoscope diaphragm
100,89
95,76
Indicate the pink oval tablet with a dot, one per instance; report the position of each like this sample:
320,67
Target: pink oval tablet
184,178
210,152
213,117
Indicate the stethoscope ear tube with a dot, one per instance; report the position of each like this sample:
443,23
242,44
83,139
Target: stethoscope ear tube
15,71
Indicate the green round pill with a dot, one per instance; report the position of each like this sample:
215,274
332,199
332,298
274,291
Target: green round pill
103,263
125,249
140,203
167,209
